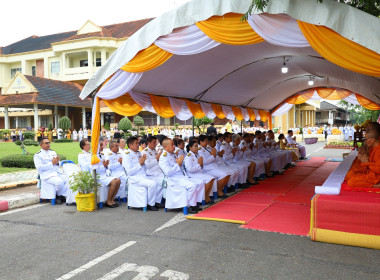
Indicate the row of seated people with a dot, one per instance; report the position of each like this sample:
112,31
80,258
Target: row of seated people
206,168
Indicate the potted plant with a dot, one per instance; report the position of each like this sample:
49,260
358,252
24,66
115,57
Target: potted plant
85,185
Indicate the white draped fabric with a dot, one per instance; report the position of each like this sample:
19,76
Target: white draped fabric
180,109
143,100
207,109
280,30
352,99
245,114
186,41
257,114
227,111
120,83
284,108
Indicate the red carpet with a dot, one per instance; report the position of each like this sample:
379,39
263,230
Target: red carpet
279,204
284,218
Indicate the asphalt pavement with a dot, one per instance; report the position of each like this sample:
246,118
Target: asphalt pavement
57,242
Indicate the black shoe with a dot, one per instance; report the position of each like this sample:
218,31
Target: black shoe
211,202
231,189
63,199
192,210
223,196
117,205
160,205
152,208
58,201
111,206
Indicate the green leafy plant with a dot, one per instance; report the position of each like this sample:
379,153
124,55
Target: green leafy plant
50,127
134,129
198,123
142,129
18,142
84,183
28,142
64,123
63,140
4,132
138,121
29,134
107,126
125,124
21,161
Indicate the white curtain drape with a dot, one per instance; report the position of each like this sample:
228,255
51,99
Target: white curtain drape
186,41
180,109
352,99
284,108
245,114
257,114
143,100
280,30
207,109
227,111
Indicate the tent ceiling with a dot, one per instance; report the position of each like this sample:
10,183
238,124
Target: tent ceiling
250,76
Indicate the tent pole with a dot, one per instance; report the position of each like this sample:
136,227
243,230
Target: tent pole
94,170
241,126
193,126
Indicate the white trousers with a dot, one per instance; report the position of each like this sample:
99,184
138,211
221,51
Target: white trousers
60,183
141,192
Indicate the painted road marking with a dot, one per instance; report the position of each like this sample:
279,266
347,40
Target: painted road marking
175,220
145,272
22,209
96,261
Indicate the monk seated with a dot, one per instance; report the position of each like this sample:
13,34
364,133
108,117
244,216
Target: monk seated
365,171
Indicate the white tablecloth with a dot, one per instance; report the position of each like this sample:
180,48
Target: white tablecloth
334,181
335,138
321,137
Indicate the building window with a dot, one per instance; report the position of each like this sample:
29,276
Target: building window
22,122
83,63
149,119
55,67
33,71
98,62
14,71
45,121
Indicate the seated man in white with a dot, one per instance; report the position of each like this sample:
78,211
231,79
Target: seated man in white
109,185
122,145
210,166
181,191
117,169
194,169
141,190
47,164
152,168
292,142
248,155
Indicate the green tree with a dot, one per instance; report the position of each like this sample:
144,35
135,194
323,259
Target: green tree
359,114
138,121
202,123
64,123
369,6
107,126
125,124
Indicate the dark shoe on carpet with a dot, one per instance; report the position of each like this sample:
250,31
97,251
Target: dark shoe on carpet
152,208
231,189
160,205
211,202
192,210
223,196
63,199
58,201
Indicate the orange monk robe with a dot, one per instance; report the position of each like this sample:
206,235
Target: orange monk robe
357,168
370,173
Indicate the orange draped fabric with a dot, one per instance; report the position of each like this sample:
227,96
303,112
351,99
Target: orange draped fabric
147,59
333,94
162,106
229,29
300,98
195,109
237,112
366,103
341,51
95,133
251,114
218,111
124,105
264,115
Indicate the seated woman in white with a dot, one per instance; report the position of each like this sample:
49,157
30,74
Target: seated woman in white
179,147
194,165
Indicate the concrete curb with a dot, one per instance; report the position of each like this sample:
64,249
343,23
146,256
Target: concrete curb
19,200
17,184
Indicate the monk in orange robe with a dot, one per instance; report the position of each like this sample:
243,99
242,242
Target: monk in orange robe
365,172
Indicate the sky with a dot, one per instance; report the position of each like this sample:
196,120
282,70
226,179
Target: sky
24,18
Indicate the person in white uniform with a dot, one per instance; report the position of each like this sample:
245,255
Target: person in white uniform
211,167
171,165
141,190
109,185
80,134
85,133
292,142
248,155
152,168
122,146
75,135
117,169
194,168
46,162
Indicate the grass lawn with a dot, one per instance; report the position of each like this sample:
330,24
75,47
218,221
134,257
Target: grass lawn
70,150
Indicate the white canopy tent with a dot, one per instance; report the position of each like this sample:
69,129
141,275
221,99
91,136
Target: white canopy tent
198,67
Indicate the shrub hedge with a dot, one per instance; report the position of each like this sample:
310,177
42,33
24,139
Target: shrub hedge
21,161
29,134
28,142
63,141
18,142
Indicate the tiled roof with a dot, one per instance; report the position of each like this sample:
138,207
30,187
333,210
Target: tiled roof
48,92
33,43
